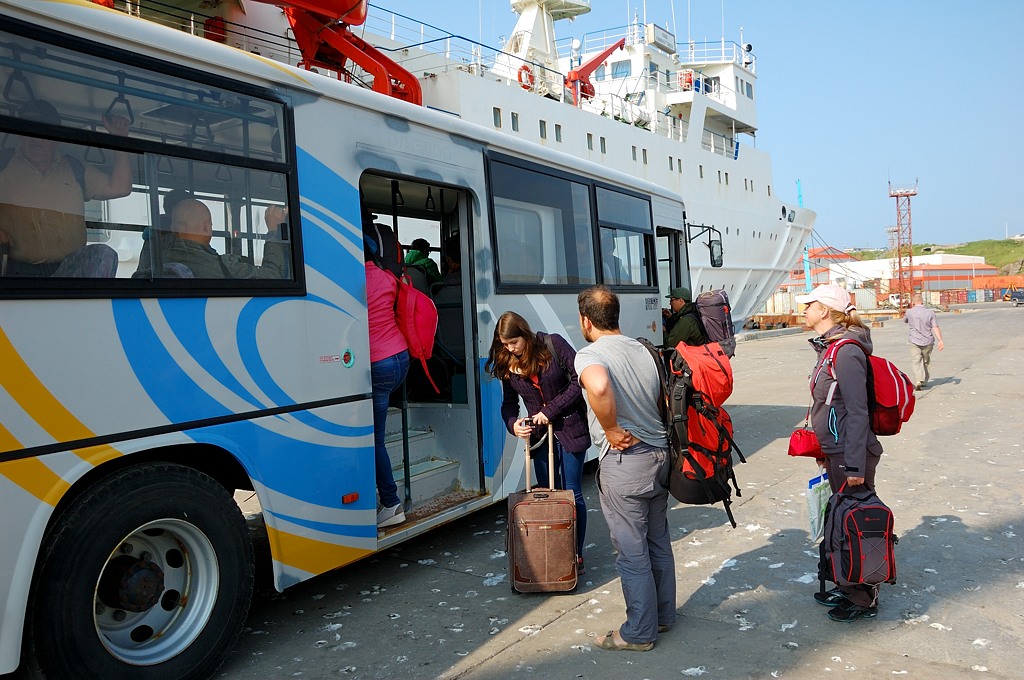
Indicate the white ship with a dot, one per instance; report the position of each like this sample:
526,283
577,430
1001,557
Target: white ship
682,115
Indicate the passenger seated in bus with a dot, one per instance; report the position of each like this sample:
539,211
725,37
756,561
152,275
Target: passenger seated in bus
452,261
42,199
418,257
613,269
171,199
189,244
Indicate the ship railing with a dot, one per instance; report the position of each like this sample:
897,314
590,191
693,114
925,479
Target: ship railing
694,53
673,127
421,48
720,144
691,53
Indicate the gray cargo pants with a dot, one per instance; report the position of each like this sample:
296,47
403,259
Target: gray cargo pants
634,501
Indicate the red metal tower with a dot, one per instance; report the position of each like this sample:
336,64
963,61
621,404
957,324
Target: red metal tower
903,256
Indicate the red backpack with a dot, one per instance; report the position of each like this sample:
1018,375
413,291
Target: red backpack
890,392
700,433
416,316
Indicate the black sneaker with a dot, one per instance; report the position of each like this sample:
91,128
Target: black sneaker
848,612
831,598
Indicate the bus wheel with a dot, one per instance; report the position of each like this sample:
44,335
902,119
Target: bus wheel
147,575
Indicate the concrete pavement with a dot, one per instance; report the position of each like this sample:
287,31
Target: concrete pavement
441,607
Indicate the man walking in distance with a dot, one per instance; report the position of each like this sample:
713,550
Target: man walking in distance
924,333
623,388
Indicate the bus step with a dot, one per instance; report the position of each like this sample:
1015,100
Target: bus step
430,478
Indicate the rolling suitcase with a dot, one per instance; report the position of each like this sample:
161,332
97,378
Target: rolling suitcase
542,534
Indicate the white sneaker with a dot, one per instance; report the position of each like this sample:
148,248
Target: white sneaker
388,517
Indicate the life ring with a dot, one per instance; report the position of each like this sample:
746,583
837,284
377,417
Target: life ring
526,77
685,79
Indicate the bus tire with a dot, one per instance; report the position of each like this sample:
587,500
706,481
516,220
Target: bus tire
148,575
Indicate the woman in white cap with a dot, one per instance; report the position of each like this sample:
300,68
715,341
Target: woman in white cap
839,416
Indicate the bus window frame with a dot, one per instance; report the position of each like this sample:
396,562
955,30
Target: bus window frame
649,236
595,224
113,288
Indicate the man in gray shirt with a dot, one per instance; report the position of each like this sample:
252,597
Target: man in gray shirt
623,388
924,332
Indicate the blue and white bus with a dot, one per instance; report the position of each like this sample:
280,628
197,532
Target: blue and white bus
137,398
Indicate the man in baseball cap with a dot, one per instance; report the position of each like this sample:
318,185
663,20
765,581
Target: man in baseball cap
682,324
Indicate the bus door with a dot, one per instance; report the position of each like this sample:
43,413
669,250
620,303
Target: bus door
434,414
670,247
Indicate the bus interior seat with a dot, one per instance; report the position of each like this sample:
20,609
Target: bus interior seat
418,279
94,261
451,331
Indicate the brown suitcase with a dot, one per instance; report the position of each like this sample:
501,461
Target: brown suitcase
542,534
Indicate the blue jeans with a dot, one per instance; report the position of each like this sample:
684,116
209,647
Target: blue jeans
568,475
386,375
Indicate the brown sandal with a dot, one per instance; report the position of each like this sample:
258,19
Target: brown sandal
616,644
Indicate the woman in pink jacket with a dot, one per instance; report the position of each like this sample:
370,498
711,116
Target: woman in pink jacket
389,364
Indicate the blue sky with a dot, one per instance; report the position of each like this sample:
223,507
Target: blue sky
851,95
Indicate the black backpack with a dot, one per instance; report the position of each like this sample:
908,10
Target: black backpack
858,547
387,252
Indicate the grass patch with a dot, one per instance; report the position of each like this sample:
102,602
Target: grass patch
996,252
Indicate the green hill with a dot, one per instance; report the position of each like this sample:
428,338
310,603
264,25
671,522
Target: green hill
996,252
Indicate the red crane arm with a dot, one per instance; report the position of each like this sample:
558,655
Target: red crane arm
321,29
578,79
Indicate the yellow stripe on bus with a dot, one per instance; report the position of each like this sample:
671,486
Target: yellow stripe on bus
31,394
30,473
310,555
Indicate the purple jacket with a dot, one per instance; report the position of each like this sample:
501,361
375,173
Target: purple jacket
559,398
843,427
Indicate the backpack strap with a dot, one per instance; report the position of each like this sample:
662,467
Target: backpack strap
700,321
663,405
829,363
551,348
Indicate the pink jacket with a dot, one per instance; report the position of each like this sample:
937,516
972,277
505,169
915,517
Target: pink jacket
385,338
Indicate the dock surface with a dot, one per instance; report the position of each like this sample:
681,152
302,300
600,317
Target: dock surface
440,606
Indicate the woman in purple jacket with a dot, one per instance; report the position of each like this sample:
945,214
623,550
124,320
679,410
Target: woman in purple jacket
839,416
523,361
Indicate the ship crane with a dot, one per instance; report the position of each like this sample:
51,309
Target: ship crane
578,79
323,32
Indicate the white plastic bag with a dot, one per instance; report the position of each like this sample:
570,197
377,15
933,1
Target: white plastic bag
818,493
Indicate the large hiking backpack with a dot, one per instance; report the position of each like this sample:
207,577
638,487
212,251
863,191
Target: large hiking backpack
700,432
890,391
416,316
859,544
714,313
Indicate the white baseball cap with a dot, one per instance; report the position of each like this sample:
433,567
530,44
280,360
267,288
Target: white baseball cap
832,296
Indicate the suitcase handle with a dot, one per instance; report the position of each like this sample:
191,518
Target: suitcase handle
551,459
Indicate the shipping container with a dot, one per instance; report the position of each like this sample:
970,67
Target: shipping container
972,296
